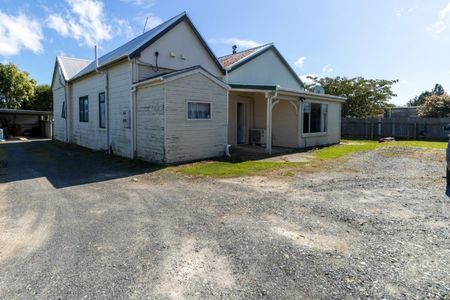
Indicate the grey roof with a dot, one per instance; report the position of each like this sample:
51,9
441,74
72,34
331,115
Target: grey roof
70,66
24,111
136,45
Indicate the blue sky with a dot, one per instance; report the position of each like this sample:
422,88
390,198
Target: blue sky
391,39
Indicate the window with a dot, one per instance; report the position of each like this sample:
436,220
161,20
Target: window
84,109
315,117
63,110
101,110
199,110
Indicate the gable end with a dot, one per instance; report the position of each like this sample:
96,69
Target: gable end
137,51
278,54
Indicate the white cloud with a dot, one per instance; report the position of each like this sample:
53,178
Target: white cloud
141,3
300,62
86,22
19,32
152,21
443,13
327,69
242,43
399,14
438,26
58,23
441,23
308,78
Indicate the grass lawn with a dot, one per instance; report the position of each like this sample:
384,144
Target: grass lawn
235,169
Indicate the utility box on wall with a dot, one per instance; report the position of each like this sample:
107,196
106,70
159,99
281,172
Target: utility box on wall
126,118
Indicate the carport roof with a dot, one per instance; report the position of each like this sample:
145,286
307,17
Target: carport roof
24,112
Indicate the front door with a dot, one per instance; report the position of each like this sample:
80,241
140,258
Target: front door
242,123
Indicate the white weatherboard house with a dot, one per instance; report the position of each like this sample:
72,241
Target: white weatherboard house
165,97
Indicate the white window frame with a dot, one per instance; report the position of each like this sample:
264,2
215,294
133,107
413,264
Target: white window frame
322,123
200,102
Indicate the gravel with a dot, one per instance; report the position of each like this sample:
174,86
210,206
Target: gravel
75,224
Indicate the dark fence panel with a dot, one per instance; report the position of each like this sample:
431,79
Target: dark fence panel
402,128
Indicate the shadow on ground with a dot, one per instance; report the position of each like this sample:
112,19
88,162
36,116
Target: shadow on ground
64,165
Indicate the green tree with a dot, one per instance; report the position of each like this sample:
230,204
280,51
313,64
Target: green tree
365,97
16,86
419,100
42,99
435,106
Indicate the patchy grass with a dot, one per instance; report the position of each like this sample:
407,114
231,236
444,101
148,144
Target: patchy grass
246,168
233,169
350,146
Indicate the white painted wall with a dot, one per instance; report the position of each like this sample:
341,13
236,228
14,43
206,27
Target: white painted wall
188,140
181,40
59,124
119,102
284,125
150,123
333,135
264,69
88,134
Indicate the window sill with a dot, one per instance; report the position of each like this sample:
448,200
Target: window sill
315,134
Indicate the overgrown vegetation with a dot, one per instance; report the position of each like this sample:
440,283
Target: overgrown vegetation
420,100
19,90
246,168
365,97
435,106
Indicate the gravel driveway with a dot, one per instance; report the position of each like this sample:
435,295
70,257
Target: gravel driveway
77,224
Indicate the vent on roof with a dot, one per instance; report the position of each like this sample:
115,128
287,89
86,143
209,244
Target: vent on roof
234,49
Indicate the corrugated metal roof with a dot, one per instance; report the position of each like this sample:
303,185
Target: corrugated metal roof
24,111
70,66
231,59
129,47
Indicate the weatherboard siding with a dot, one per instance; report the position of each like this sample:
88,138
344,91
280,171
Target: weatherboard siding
187,49
265,69
88,134
188,140
119,103
150,123
59,123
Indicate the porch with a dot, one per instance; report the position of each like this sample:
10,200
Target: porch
265,118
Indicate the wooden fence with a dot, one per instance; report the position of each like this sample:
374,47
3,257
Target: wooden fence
401,128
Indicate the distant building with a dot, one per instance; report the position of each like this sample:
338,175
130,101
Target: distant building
402,112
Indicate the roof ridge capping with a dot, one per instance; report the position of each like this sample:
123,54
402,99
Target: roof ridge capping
75,58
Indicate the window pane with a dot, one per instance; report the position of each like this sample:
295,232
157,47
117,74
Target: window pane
197,110
305,122
84,109
63,110
101,110
324,117
316,109
306,107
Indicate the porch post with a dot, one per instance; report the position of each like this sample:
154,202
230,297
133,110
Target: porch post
269,125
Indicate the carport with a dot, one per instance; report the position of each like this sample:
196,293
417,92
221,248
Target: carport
28,123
